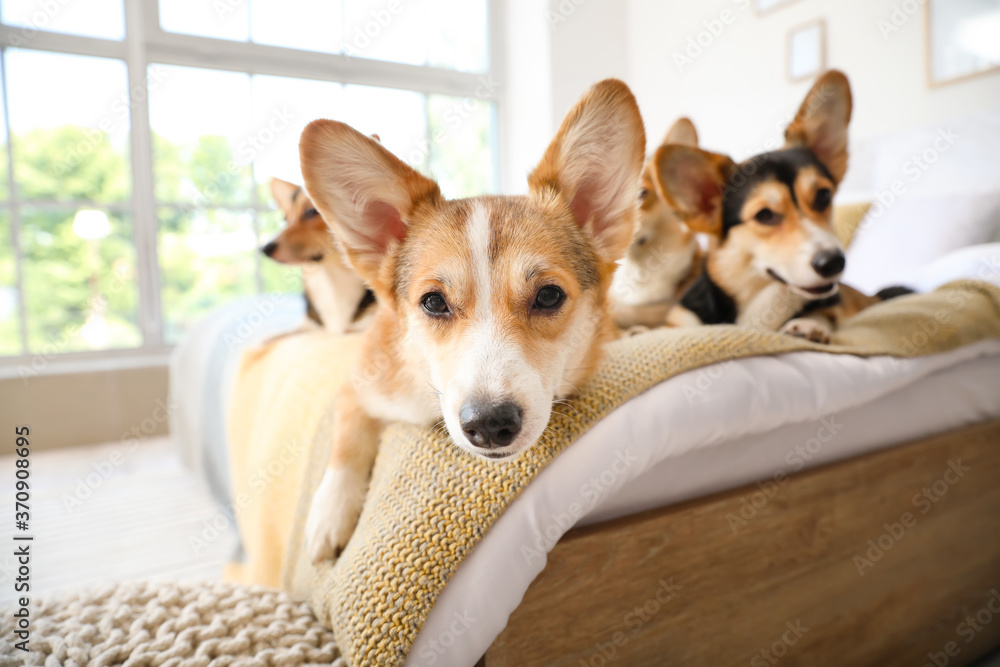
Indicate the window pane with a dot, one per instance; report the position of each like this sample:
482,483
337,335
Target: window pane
284,107
10,317
223,19
91,18
461,156
283,23
202,151
373,31
443,33
79,280
207,259
399,117
460,37
70,134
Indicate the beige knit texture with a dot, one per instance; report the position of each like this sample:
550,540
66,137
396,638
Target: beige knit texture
168,624
429,504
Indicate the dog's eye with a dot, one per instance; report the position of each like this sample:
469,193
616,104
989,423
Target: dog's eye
824,197
549,297
766,216
310,213
643,193
434,304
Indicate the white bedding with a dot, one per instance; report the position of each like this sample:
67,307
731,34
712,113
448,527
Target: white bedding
702,432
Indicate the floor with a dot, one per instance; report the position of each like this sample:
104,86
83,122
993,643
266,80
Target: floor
113,513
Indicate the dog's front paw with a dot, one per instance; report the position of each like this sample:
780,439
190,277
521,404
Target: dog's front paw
334,513
809,329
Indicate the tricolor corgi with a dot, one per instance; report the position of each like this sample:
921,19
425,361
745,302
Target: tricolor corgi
664,258
336,298
778,263
489,308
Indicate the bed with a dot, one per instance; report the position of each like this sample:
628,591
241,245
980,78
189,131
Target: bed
752,523
773,514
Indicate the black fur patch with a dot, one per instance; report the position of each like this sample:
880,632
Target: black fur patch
782,166
367,301
707,300
818,304
311,312
894,292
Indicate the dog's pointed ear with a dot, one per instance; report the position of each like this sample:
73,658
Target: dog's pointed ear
365,193
821,123
594,164
692,182
284,194
682,132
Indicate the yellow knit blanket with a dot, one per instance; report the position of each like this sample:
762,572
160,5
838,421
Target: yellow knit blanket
429,504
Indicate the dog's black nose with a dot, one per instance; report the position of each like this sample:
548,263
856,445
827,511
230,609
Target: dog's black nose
270,248
829,263
490,425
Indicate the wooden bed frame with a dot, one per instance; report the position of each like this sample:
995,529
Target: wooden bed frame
891,558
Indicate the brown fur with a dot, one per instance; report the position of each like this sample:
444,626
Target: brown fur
334,292
664,257
489,260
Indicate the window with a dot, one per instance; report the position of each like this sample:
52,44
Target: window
134,184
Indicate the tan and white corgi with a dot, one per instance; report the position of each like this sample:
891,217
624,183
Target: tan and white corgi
665,255
336,297
778,263
489,308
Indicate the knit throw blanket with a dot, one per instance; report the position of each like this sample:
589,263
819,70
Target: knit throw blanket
429,504
191,624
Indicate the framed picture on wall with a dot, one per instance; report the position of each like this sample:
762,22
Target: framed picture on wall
806,57
767,6
963,39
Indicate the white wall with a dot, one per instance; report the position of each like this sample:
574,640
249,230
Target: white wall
526,85
555,49
737,93
588,41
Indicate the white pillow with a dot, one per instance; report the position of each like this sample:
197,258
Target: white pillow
896,240
980,262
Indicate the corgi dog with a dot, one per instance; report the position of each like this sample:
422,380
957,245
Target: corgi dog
489,308
664,258
778,263
336,298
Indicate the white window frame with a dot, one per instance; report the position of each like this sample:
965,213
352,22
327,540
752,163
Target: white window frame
146,42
